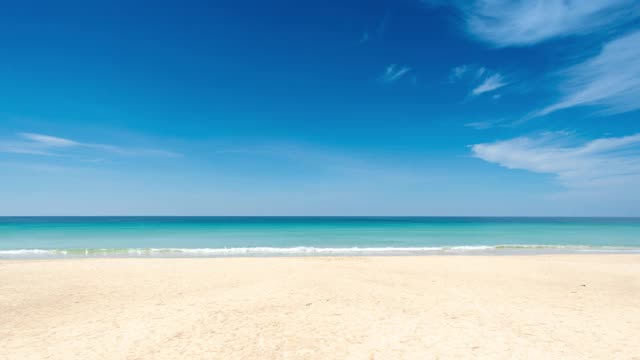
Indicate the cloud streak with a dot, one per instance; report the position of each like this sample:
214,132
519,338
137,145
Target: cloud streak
488,124
47,145
394,73
51,141
458,73
610,80
490,83
603,162
505,23
485,80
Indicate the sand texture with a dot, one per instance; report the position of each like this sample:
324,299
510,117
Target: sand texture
430,307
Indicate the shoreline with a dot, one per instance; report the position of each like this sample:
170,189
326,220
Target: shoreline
305,251
407,307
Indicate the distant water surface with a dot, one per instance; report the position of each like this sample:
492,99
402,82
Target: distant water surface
37,237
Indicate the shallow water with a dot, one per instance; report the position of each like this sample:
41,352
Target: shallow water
36,237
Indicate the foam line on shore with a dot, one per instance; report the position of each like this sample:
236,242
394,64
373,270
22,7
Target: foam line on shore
303,251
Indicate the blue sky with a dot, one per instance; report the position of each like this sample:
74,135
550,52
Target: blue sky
346,107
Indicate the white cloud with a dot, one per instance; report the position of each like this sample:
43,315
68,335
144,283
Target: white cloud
47,145
458,72
393,73
47,140
484,79
483,125
610,80
520,23
490,83
604,162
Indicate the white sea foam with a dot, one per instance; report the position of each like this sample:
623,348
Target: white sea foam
18,252
302,251
469,248
298,250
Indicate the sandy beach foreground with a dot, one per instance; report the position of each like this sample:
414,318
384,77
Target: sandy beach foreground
522,307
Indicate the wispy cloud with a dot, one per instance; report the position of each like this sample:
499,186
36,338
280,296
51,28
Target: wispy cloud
49,141
490,83
483,125
482,79
520,23
610,80
394,73
603,162
47,145
458,72
466,71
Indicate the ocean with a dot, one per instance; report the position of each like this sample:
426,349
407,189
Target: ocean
59,237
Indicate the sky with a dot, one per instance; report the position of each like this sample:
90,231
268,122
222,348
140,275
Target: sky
337,107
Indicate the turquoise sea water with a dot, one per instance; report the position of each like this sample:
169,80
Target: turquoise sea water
34,237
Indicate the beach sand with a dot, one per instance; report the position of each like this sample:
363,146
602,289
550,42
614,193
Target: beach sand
430,307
